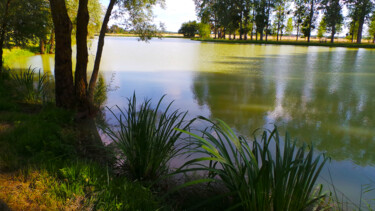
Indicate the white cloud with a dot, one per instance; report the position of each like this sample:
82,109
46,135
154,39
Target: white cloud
175,13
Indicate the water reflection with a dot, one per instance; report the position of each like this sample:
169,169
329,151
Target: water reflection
322,97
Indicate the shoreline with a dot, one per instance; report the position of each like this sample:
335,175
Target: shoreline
296,43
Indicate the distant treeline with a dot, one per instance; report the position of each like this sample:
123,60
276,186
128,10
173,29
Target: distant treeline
261,18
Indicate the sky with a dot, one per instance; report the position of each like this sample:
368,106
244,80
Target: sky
175,13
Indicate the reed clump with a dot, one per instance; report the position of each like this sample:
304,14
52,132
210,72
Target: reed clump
264,174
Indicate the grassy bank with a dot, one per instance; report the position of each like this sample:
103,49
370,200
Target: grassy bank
42,166
299,43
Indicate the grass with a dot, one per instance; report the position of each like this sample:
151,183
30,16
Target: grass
42,168
32,87
13,55
299,43
146,138
257,177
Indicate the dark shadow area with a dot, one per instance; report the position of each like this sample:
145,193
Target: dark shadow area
3,206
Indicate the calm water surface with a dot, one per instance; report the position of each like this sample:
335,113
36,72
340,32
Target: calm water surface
321,95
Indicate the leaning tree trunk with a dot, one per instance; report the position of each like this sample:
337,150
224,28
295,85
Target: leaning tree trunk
64,90
99,51
80,84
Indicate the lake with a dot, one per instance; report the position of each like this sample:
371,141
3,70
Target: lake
320,95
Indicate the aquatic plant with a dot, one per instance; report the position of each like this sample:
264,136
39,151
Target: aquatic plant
29,89
146,138
265,174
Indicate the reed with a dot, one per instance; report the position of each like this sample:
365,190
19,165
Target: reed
265,174
146,139
32,89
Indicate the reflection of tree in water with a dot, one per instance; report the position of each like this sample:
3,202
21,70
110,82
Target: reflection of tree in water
322,97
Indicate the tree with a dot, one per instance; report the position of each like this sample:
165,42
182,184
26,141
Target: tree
322,28
299,14
79,95
204,30
371,27
189,29
309,23
360,11
281,13
22,22
289,27
332,16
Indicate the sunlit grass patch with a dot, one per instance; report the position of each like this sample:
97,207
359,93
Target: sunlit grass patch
13,55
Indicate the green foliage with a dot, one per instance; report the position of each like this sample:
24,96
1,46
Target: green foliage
100,93
96,14
189,29
371,27
289,27
322,28
30,90
24,21
269,174
115,29
204,30
146,138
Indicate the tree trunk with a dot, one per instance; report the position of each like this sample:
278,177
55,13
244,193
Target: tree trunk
333,33
80,84
99,51
360,29
52,43
278,29
310,21
63,58
297,32
42,46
